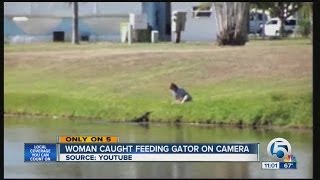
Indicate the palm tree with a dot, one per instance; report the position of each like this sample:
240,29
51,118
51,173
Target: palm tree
75,24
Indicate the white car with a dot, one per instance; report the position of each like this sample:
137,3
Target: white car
272,27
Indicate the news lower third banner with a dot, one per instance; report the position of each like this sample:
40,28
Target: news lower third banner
135,152
35,152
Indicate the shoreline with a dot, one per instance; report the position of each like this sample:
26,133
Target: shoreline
202,124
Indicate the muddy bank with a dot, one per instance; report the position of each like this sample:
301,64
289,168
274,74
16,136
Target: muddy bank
145,119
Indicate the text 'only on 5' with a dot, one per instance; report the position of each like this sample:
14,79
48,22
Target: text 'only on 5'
87,139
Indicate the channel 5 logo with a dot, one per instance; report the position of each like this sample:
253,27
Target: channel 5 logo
279,148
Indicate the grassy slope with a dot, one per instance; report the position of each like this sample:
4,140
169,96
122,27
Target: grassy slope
262,82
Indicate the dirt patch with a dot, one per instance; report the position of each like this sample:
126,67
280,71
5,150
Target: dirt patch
204,64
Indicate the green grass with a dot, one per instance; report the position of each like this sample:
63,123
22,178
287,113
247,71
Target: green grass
262,83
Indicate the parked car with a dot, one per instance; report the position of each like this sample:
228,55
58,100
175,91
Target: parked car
256,22
272,27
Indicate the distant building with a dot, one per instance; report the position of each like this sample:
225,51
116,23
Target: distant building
26,22
200,25
53,20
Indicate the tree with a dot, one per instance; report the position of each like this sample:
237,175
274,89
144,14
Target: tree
305,19
311,19
308,9
75,24
232,22
283,10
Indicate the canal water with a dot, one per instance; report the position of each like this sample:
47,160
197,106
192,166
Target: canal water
18,131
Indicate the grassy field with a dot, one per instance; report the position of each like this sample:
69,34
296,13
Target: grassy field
261,83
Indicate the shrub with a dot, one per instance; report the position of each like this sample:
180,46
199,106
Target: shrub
304,27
